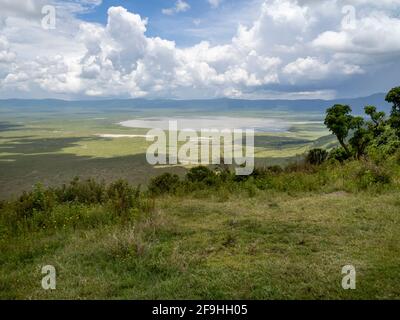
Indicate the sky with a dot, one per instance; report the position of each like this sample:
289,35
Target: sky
198,49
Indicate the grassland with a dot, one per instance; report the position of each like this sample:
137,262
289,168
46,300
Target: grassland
270,246
286,236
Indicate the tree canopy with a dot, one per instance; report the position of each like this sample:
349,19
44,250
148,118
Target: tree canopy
393,97
359,136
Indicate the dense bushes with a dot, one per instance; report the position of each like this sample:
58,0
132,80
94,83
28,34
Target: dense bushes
39,199
41,204
201,174
338,154
122,197
165,183
298,177
316,156
369,175
87,202
85,192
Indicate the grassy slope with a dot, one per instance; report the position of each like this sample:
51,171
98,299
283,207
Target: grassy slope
269,246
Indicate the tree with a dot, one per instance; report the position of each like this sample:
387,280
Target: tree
339,121
394,97
361,137
378,122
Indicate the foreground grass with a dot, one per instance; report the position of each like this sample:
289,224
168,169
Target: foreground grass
271,245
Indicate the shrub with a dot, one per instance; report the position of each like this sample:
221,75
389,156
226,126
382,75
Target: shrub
384,145
316,156
84,192
260,173
165,183
338,154
370,174
199,174
258,177
203,175
38,200
122,197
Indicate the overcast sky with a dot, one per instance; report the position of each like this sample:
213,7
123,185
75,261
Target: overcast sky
193,49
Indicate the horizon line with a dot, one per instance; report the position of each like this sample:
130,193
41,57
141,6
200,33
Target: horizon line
204,99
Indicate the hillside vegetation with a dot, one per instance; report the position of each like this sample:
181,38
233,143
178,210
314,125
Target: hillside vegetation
280,233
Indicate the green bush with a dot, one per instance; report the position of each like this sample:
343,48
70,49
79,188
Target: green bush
38,200
316,156
338,154
165,183
85,192
122,197
201,174
384,145
260,176
370,175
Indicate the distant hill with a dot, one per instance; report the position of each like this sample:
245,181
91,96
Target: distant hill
312,105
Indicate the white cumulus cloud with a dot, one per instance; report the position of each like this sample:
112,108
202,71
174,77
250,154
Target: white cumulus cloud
294,48
180,6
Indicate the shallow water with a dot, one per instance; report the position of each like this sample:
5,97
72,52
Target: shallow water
219,123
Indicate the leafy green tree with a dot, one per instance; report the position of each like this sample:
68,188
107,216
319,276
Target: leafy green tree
378,122
384,145
361,137
339,121
394,97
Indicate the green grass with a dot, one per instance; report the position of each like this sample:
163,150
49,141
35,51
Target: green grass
276,236
271,246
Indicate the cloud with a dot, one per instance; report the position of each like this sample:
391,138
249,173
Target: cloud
372,34
6,55
214,3
121,59
180,6
291,49
312,69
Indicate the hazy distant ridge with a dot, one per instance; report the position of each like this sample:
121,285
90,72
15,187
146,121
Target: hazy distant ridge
214,104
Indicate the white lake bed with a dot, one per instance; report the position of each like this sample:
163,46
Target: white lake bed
219,123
